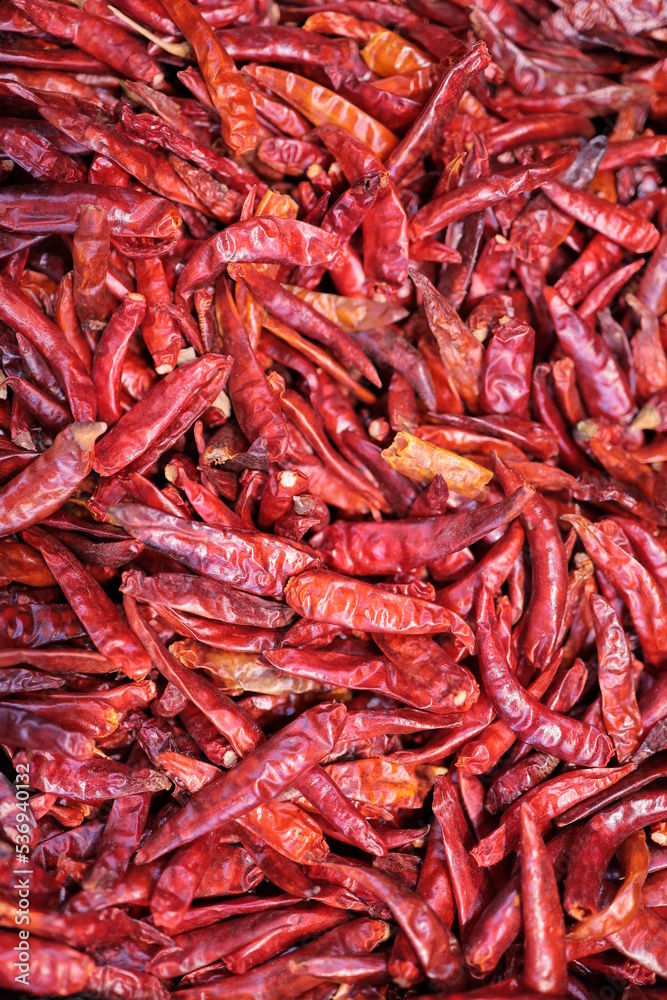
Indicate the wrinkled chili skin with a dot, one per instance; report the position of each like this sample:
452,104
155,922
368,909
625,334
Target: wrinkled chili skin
570,740
266,771
601,836
410,545
50,480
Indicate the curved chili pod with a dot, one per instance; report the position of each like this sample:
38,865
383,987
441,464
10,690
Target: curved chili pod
549,568
50,479
258,240
138,429
597,842
564,737
369,549
258,778
246,559
228,91
95,610
325,596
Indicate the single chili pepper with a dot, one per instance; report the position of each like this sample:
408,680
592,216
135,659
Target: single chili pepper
209,599
428,129
110,634
600,297
360,605
67,321
648,354
619,704
47,410
122,832
610,827
549,587
422,461
137,431
36,155
260,416
221,636
461,352
38,368
482,754
519,778
614,221
259,568
265,239
227,718
528,129
90,256
598,374
177,884
545,958
50,479
452,686
486,191
224,83
505,386
90,779
255,779
413,544
53,966
110,355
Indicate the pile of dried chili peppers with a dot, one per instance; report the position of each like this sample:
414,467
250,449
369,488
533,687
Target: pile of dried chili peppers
333,512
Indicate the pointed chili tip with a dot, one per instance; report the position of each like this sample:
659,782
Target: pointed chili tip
496,461
85,435
527,816
576,520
